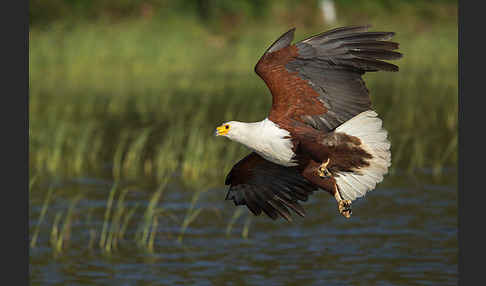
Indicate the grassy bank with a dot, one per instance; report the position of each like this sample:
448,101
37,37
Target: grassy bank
140,99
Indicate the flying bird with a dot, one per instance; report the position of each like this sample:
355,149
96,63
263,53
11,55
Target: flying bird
321,131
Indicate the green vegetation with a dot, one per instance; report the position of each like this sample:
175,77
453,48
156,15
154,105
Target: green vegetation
61,235
142,100
137,100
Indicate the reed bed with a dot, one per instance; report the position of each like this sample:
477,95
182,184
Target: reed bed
139,100
122,223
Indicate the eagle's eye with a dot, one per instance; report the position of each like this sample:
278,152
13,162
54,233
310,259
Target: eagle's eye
226,126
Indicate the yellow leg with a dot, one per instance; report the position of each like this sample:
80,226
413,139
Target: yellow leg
322,171
344,206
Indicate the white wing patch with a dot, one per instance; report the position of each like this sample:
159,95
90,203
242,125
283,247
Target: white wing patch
368,128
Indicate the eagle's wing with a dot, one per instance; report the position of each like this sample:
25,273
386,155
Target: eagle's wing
318,80
264,186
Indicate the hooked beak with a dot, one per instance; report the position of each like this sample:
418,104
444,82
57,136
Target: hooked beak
220,131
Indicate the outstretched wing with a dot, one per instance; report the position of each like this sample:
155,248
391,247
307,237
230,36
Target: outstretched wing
318,80
264,186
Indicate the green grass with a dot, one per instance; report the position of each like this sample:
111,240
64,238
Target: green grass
115,218
140,99
60,235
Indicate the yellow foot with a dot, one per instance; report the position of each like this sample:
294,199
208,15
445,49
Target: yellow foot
345,208
322,171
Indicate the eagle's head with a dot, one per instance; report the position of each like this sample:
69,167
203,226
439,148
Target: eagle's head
229,129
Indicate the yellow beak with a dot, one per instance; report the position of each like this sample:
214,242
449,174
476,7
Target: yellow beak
221,130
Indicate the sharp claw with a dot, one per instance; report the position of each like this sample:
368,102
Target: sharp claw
345,208
322,171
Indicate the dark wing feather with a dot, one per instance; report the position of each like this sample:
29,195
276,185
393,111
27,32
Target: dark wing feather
267,187
284,41
318,81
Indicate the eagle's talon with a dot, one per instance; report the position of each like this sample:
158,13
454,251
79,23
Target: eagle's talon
322,171
345,208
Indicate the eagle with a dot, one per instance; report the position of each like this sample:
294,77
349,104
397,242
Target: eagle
321,132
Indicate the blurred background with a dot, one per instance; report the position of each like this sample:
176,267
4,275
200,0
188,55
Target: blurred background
127,181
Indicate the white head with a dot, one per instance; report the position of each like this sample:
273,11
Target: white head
264,137
233,130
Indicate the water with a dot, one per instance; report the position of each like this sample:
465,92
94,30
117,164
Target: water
402,233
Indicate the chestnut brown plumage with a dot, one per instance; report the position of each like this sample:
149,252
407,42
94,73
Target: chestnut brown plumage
321,115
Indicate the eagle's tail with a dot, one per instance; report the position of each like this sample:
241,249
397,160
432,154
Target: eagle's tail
368,128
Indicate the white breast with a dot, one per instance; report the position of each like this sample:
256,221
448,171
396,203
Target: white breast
269,141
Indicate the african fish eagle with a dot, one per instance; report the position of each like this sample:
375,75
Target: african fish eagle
321,131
